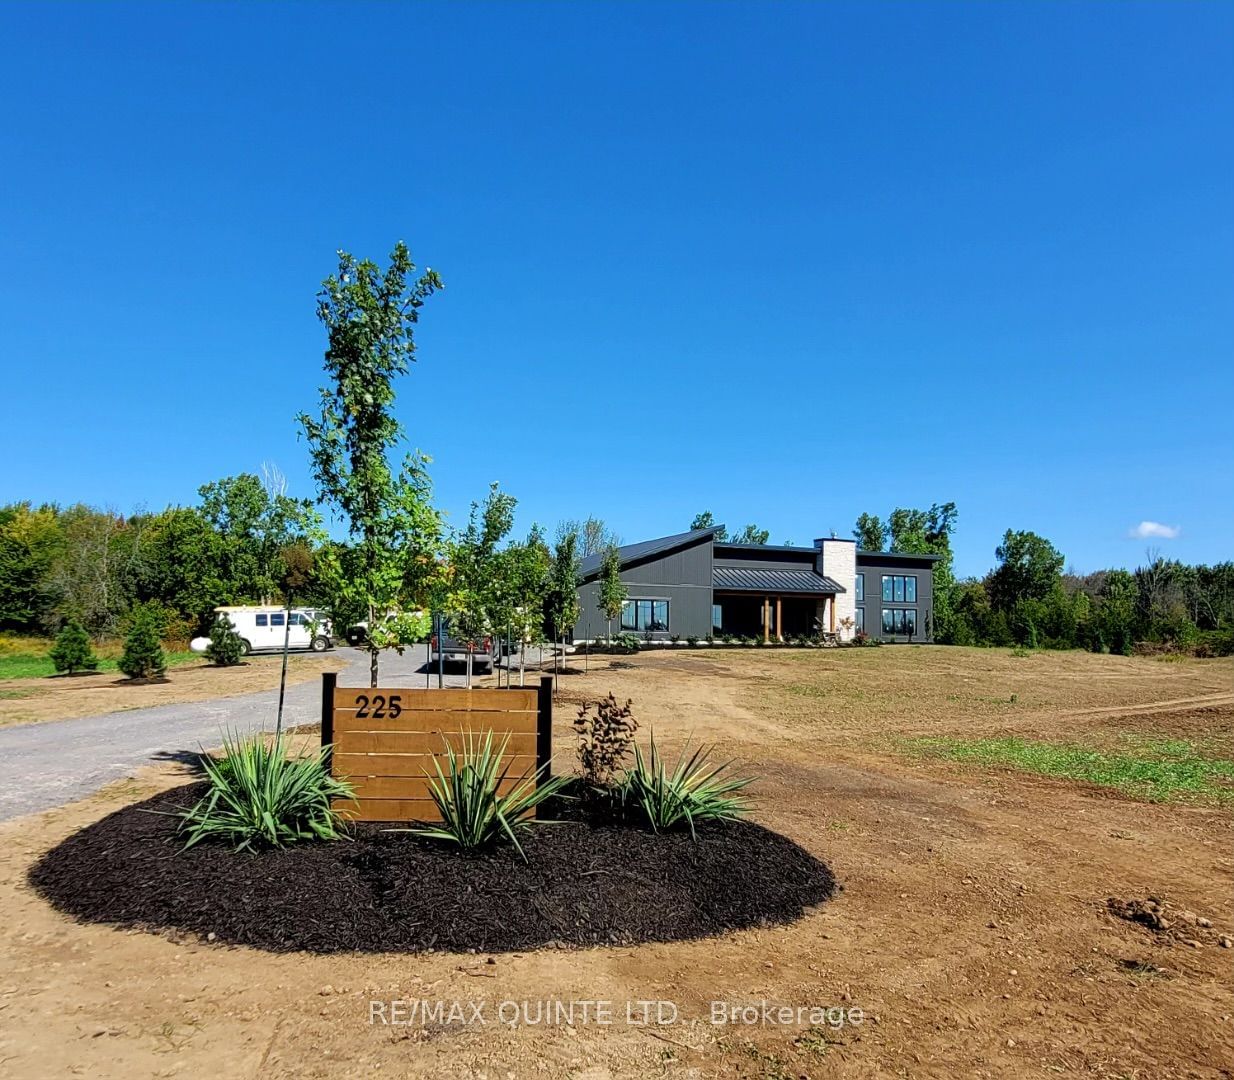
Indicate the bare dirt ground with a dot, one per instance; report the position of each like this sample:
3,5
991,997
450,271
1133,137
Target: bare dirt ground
972,930
64,697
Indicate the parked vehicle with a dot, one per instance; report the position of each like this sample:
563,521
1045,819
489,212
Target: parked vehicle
262,629
356,634
484,657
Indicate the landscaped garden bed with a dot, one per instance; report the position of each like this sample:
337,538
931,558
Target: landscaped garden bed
586,881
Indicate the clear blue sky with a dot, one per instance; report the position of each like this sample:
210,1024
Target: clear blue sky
784,262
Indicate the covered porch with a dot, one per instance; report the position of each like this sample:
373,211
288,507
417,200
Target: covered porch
773,605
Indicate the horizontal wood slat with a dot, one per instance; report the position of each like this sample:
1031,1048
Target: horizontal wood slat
389,810
414,765
483,700
436,721
423,742
409,787
389,759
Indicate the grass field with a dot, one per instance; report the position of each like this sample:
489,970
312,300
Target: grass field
26,658
1159,770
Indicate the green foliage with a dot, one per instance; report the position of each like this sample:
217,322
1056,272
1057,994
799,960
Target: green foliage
1157,770
920,532
484,587
253,523
475,811
30,541
752,534
226,646
706,520
143,647
623,642
870,533
394,531
604,738
691,793
72,651
1029,568
613,591
563,584
259,796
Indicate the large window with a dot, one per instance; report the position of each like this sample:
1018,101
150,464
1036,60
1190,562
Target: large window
900,621
899,589
644,615
861,587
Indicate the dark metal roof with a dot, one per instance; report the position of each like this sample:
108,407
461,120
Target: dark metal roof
633,552
738,579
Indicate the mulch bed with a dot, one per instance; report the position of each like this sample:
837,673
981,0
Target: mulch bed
586,882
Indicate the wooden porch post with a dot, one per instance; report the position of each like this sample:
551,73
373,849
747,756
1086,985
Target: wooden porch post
766,619
833,614
779,622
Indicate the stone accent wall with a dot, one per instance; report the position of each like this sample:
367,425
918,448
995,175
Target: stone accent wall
838,560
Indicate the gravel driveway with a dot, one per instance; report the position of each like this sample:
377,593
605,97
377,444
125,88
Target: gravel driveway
48,764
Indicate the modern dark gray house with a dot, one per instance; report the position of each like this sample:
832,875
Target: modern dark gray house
692,585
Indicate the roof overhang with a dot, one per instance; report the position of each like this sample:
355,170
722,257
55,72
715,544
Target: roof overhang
778,582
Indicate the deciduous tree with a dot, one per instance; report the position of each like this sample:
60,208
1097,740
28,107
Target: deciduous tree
370,316
613,591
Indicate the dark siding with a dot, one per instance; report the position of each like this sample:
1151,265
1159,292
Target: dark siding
874,567
681,577
765,560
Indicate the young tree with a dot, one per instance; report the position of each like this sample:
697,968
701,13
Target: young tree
528,573
481,594
563,591
225,648
613,591
71,652
706,520
370,318
143,647
297,563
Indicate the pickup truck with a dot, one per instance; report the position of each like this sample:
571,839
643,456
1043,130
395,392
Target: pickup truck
484,657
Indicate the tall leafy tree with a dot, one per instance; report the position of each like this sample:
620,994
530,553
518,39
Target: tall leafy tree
254,520
613,591
870,533
1029,567
30,540
370,317
752,534
594,535
706,520
928,532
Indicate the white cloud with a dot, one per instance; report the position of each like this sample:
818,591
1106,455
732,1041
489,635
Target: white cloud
1154,530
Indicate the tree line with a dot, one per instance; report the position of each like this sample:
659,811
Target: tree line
1026,598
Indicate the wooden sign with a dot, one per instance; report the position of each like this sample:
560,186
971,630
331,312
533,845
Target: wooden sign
384,740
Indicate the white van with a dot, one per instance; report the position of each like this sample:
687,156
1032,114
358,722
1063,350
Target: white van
263,628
